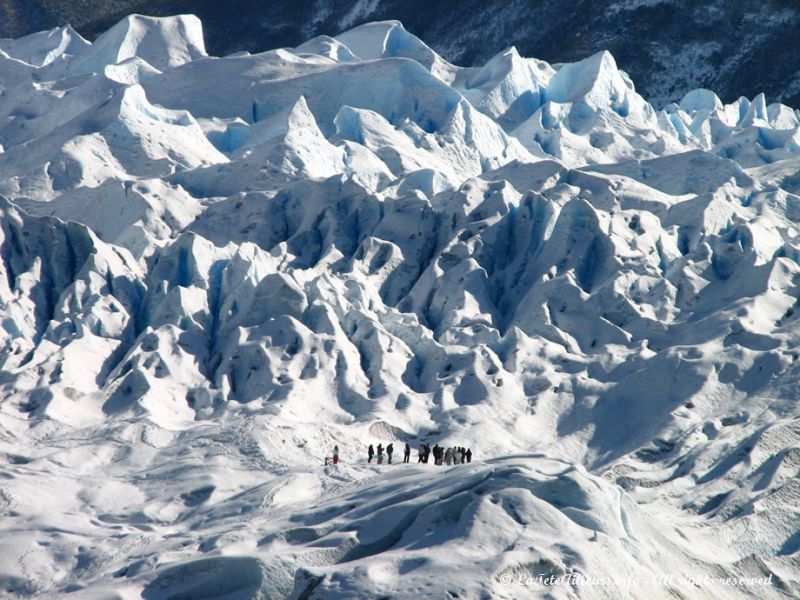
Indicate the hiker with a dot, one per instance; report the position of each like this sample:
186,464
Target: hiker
463,452
370,453
407,453
336,455
380,454
448,456
469,455
438,455
389,450
420,453
455,456
427,453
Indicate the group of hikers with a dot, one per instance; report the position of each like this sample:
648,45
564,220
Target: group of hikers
441,455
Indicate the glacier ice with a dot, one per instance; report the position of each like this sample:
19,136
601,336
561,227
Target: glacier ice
214,269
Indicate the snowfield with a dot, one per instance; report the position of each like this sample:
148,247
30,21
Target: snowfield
213,270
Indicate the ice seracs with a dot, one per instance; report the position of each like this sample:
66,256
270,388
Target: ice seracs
214,270
122,134
42,49
389,39
508,88
162,43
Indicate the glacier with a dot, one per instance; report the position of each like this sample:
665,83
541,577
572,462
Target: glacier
214,269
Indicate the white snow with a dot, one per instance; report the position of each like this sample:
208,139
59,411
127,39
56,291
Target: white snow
214,270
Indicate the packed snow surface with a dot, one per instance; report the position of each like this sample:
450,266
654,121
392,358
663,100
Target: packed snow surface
213,270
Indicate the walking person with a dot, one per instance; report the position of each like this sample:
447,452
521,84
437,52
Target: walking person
448,456
370,453
469,455
380,454
420,453
463,452
389,450
336,455
407,453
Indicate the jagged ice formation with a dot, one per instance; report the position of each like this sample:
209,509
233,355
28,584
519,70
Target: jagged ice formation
215,269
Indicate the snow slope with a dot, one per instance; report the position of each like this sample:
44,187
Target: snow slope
216,269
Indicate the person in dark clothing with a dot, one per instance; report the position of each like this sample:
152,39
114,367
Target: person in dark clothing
420,453
463,452
407,453
370,453
468,454
427,453
380,454
389,450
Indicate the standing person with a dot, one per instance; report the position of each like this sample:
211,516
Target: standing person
455,456
380,454
420,453
407,453
389,450
469,455
448,456
336,455
370,453
463,452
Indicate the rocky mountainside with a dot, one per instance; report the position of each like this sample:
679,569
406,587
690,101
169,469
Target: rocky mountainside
213,270
669,47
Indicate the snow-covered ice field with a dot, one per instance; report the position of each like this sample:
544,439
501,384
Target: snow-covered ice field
216,269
